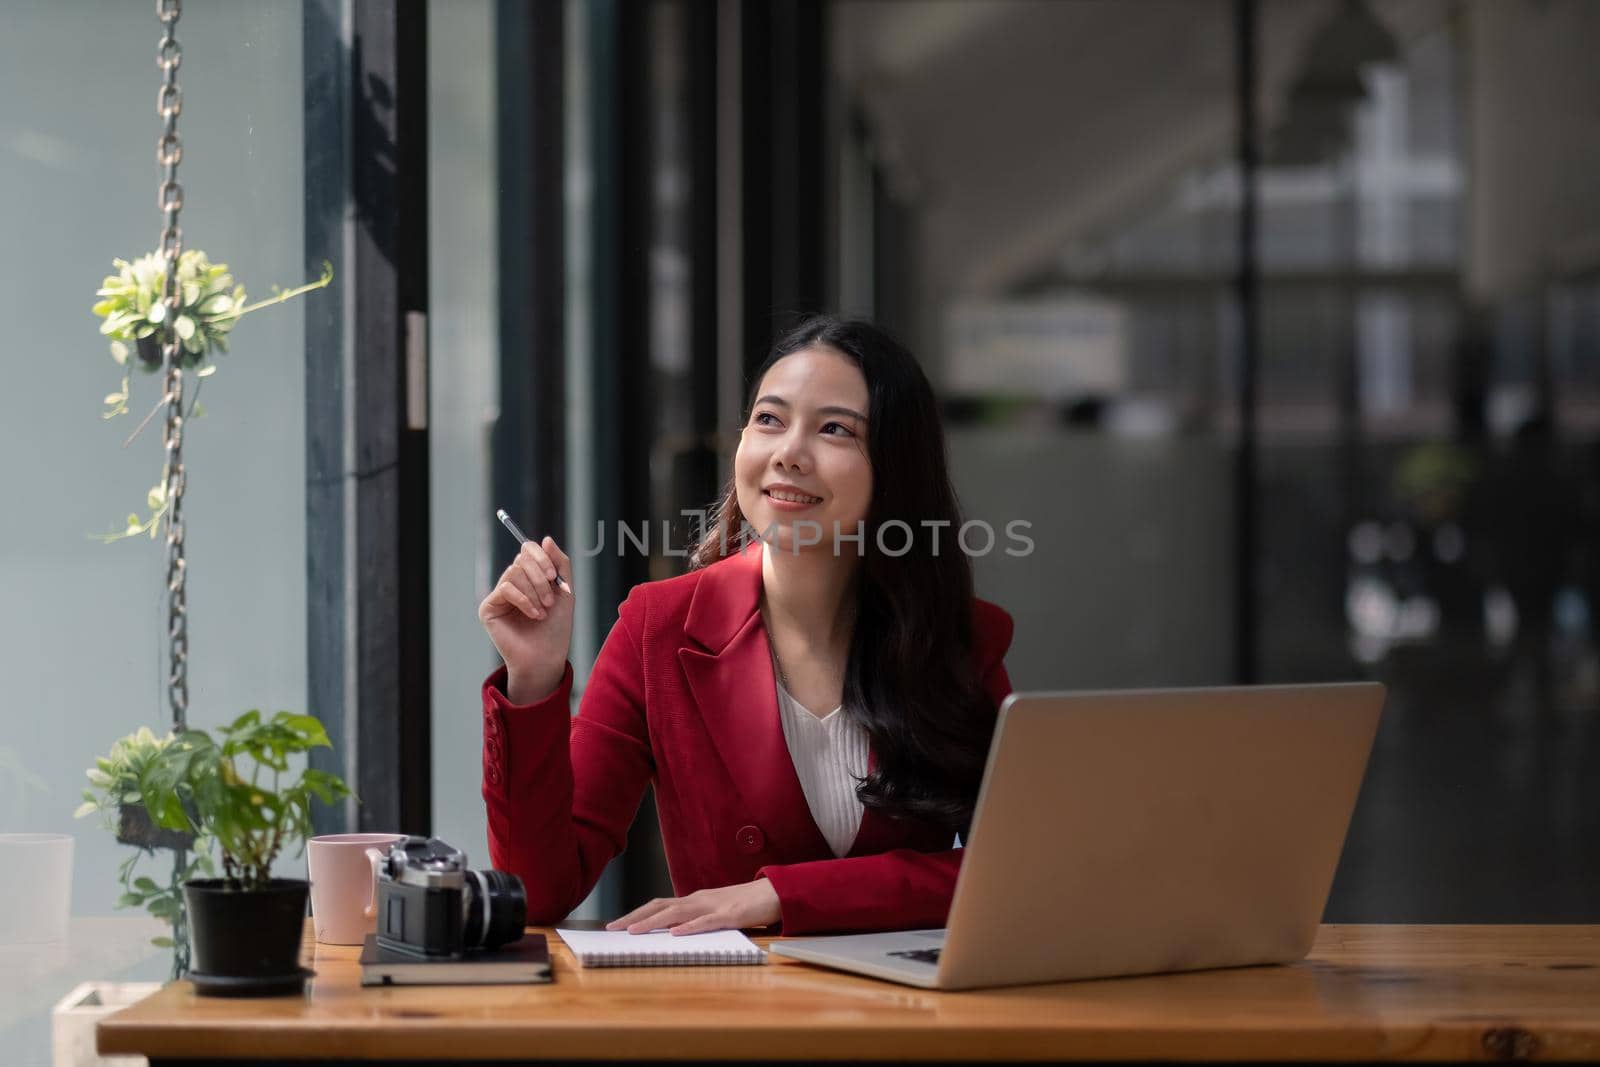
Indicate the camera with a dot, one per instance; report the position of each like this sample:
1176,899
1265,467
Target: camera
431,904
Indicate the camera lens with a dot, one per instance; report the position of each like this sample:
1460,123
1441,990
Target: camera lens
497,909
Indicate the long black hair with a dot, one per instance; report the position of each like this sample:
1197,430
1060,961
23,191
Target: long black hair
910,680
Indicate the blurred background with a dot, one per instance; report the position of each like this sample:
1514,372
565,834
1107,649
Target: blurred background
1278,320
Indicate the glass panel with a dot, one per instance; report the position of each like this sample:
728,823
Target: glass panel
464,384
82,639
1429,400
469,548
1066,222
1421,513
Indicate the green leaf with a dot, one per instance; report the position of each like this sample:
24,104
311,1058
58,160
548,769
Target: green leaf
314,732
157,313
161,942
245,721
185,327
168,812
119,352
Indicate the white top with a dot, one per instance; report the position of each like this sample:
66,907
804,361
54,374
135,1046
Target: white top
830,757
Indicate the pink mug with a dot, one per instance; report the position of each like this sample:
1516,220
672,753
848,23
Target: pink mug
344,884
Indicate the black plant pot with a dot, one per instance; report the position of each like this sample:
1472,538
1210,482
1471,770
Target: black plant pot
246,941
135,827
148,350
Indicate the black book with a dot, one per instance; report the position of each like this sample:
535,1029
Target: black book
522,962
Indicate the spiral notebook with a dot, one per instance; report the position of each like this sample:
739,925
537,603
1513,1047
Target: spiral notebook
618,948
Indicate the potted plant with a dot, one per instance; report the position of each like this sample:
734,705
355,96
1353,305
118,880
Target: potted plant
239,792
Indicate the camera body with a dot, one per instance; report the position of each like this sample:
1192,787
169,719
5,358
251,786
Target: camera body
431,904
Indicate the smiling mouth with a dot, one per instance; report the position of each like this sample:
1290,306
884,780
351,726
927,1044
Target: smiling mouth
792,498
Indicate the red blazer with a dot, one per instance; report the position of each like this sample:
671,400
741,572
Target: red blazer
683,695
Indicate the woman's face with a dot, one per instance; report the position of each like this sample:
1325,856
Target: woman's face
803,453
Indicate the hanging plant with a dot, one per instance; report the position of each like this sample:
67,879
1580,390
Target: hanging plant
117,795
139,323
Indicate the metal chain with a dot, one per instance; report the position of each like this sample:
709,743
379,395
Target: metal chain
169,199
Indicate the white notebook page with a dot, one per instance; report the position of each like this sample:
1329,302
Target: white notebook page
594,947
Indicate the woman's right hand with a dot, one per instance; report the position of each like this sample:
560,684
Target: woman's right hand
529,618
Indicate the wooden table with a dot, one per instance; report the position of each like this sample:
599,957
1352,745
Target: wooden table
1365,993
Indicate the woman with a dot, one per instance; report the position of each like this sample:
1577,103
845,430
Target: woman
814,710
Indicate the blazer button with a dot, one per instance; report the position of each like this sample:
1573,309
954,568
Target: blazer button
751,840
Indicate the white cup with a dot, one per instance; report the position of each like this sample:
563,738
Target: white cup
36,888
344,884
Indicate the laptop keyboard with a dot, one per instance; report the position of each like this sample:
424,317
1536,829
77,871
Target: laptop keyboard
921,955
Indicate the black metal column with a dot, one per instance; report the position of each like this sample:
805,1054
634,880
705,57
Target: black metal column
1244,487
529,444
619,62
782,123
327,183
700,472
620,255
367,534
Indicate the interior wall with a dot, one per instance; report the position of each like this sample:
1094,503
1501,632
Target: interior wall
1534,143
1127,582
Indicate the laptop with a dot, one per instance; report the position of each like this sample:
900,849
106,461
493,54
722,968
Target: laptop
1138,832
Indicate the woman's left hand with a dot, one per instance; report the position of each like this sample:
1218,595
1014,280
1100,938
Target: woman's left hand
729,908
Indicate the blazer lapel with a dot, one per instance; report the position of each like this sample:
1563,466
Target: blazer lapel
730,676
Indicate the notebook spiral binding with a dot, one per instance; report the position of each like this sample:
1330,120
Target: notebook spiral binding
690,958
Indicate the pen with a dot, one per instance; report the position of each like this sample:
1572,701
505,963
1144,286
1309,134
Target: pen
522,539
